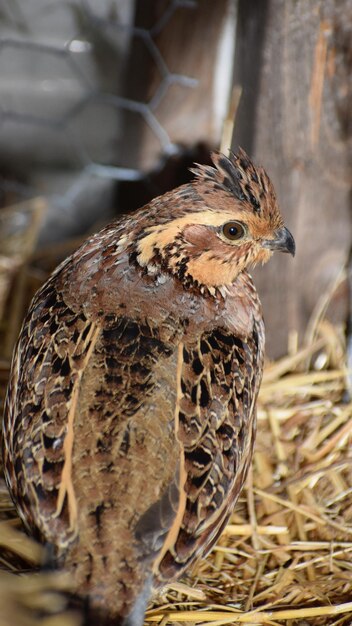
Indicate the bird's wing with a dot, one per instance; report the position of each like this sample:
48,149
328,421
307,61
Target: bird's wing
219,379
52,353
90,445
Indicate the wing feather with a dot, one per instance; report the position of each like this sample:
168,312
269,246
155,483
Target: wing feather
221,376
53,350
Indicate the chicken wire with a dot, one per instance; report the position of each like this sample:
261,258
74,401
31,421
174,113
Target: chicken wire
63,103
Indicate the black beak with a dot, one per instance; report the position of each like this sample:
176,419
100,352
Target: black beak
282,241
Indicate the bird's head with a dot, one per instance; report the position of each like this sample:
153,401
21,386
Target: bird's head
208,231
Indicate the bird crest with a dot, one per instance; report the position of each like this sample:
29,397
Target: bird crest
237,175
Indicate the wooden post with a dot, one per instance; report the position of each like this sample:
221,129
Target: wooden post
294,65
182,70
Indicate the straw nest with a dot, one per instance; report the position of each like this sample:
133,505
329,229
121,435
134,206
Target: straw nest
285,557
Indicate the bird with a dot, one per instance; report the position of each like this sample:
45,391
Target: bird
130,414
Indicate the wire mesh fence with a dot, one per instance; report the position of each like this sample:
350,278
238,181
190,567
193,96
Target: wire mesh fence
67,101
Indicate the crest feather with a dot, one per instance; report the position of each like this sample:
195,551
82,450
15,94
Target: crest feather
237,175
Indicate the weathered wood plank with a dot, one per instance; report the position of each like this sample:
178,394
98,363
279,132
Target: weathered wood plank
185,80
295,118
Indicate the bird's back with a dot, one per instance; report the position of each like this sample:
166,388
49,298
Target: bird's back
90,445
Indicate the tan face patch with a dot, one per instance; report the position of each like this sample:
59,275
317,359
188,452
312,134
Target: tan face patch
212,271
213,261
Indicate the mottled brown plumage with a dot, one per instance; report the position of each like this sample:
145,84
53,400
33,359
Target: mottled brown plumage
130,415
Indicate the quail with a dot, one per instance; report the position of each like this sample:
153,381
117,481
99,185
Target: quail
130,415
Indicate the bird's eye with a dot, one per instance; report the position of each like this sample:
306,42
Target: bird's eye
233,230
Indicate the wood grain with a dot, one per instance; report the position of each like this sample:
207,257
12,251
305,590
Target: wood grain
294,62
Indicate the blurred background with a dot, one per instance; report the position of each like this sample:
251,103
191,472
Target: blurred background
105,104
